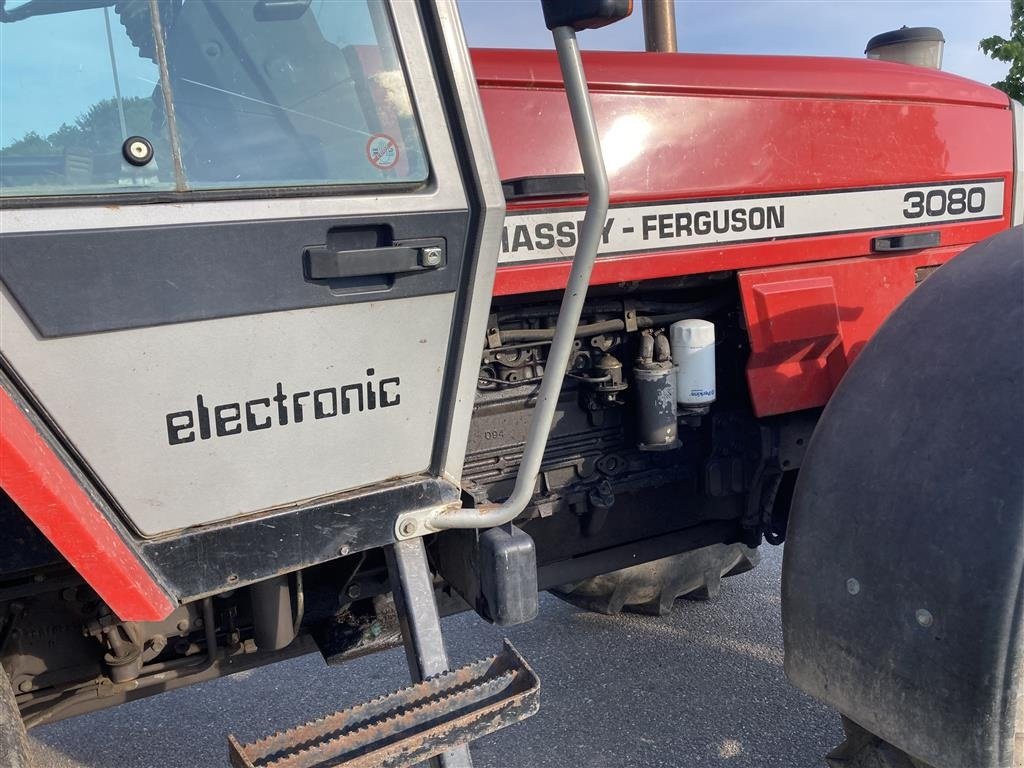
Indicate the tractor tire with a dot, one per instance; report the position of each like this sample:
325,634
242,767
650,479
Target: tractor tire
653,588
14,751
901,579
862,749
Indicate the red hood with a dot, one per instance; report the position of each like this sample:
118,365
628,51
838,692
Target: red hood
687,127
792,76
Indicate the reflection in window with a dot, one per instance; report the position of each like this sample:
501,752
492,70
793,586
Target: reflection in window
264,93
73,87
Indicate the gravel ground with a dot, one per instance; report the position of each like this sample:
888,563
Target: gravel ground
702,687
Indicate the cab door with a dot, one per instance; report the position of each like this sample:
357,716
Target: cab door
247,253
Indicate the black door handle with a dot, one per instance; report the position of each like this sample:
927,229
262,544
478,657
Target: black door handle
323,263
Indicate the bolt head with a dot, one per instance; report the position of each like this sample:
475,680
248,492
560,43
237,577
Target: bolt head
354,591
853,586
924,617
407,528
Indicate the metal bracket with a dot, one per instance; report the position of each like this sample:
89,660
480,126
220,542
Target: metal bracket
419,522
493,332
629,317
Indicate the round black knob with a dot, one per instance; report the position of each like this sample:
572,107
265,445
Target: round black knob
137,150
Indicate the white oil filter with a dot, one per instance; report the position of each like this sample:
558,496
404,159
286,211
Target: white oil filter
693,352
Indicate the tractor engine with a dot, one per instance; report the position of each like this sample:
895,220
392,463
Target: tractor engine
617,437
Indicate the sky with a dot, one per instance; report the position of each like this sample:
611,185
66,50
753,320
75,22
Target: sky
792,27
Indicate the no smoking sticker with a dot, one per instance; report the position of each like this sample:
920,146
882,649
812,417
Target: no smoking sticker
382,151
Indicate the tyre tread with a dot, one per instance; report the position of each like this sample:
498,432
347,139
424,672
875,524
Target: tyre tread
653,588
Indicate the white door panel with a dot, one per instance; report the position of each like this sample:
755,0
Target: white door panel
113,393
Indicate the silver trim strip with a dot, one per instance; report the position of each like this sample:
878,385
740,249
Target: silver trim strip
492,216
1017,212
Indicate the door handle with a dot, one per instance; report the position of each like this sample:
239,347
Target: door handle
323,263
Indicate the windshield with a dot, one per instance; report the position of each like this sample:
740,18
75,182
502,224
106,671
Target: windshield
255,93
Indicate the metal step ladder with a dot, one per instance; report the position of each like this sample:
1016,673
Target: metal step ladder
433,719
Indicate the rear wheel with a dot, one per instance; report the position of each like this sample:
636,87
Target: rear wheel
13,740
654,587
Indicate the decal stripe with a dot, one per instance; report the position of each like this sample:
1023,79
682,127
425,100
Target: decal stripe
43,487
550,235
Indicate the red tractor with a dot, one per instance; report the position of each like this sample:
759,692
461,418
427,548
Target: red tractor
316,326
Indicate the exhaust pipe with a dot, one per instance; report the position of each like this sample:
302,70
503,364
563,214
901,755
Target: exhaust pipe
660,26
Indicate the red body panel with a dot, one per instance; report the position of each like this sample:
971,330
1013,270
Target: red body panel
45,490
677,127
808,323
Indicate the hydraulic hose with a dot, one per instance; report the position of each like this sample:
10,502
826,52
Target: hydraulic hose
490,515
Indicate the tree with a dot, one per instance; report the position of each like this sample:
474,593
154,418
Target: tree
88,149
1011,51
96,131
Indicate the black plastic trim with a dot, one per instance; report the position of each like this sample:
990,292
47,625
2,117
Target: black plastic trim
155,197
559,185
243,551
88,281
911,242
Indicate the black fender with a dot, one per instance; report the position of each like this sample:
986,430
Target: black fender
902,586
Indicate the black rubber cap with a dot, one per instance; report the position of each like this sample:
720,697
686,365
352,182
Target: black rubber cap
906,35
584,14
137,150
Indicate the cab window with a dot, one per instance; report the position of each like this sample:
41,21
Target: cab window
259,93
